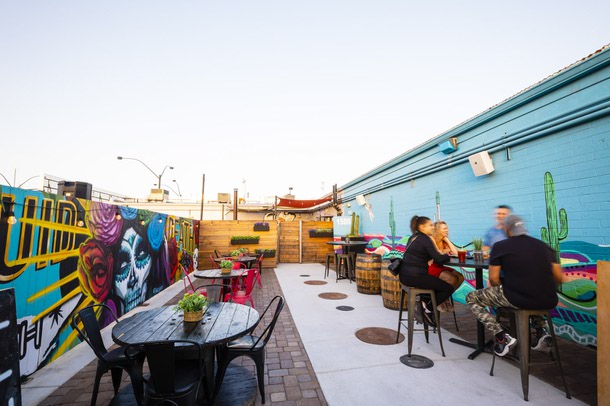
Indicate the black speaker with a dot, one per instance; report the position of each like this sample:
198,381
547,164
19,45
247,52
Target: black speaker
81,190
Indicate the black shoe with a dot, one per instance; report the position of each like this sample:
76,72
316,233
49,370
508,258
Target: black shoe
418,312
427,314
542,341
503,346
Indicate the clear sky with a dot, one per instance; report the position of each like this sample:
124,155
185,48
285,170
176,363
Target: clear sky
276,93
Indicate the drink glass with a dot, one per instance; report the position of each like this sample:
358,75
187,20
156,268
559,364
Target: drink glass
461,255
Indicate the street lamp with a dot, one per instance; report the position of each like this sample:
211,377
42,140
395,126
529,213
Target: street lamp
172,189
147,167
178,186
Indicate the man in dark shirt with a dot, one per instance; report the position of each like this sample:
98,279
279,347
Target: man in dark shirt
531,273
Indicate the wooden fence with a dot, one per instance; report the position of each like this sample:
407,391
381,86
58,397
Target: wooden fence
291,240
216,235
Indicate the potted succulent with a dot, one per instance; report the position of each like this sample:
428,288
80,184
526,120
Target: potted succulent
226,266
477,254
192,305
261,226
244,239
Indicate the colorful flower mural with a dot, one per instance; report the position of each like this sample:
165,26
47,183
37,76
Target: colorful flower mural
63,255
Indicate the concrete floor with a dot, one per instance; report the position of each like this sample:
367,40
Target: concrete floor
315,358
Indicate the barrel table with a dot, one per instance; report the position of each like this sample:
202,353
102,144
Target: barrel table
368,280
390,288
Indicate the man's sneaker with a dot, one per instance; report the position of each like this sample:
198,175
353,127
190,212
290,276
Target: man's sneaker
418,313
542,342
503,346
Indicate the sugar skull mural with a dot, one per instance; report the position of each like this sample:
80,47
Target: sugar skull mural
63,255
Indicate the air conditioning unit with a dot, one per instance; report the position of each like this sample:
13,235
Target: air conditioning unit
158,195
224,198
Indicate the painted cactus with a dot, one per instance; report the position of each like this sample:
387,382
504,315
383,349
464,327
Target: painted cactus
557,222
355,227
392,222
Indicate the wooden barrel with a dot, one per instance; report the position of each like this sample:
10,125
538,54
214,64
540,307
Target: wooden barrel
390,288
367,274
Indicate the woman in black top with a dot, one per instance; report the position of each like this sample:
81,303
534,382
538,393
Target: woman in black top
414,265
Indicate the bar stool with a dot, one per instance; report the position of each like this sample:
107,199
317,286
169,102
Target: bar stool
344,264
329,257
523,340
412,292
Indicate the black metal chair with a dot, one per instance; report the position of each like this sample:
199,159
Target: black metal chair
250,346
173,379
85,322
218,254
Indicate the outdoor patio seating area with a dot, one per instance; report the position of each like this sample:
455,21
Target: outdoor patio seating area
316,357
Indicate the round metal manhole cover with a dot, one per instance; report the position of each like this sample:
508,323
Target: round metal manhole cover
315,283
417,361
333,296
378,336
304,276
345,308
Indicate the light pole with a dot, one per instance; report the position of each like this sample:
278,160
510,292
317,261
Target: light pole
172,189
178,186
147,167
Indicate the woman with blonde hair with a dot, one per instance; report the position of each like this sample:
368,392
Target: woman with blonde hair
440,236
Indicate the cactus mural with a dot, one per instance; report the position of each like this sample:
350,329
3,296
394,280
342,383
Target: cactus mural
392,222
355,227
557,222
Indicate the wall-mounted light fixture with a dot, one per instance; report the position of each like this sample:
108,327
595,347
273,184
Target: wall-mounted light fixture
449,146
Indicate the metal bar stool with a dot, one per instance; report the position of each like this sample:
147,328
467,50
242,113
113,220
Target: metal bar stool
523,341
330,257
345,265
412,292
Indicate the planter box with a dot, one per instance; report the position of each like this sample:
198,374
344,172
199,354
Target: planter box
261,227
244,241
266,253
314,234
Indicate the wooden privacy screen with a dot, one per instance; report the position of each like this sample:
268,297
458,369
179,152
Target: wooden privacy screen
315,249
216,235
297,246
603,333
295,243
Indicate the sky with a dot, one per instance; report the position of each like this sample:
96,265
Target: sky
258,95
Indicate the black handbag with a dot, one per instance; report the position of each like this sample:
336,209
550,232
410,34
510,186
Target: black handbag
394,266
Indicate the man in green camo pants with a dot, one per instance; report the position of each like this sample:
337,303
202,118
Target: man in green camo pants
530,274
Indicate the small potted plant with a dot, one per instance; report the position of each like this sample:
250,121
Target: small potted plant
226,266
236,253
192,305
477,244
261,226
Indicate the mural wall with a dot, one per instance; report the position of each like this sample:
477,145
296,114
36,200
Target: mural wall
61,255
549,148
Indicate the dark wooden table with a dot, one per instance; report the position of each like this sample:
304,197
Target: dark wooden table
347,245
222,322
480,345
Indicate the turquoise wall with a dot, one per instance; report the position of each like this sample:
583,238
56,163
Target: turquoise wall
560,129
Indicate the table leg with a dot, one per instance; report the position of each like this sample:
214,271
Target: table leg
480,346
208,359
